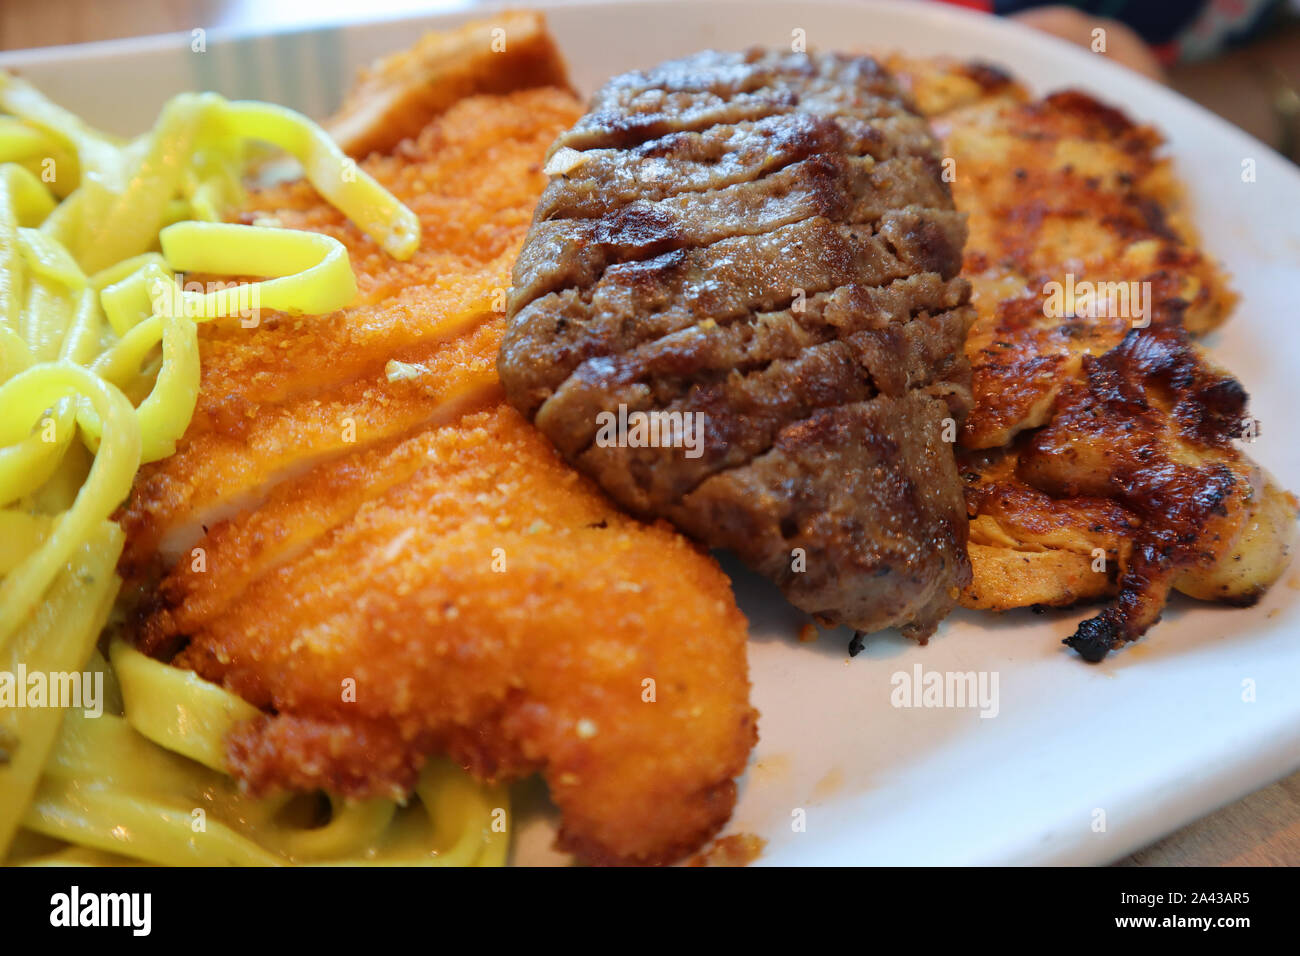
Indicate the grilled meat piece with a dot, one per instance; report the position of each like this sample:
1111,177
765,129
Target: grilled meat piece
754,256
1099,457
1151,424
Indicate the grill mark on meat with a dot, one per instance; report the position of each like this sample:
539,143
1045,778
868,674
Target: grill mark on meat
623,131
868,307
715,158
632,110
922,238
816,185
745,415
801,295
815,188
814,255
830,179
895,342
853,190
890,373
598,181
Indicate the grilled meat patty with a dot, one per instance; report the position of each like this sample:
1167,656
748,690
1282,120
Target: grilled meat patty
750,260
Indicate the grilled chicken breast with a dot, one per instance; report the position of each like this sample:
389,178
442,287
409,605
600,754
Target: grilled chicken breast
759,247
1101,456
354,502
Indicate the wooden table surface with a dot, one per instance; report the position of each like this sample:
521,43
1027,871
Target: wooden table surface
1262,829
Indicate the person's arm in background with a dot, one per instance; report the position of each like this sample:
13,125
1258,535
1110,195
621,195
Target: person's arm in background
1122,43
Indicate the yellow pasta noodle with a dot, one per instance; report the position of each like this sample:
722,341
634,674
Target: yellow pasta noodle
59,637
312,273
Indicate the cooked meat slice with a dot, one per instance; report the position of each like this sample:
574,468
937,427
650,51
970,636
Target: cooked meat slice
1030,548
762,248
1005,577
851,512
1152,426
709,89
397,97
489,602
565,333
1255,557
810,202
801,362
1144,491
230,460
596,181
1099,458
1065,190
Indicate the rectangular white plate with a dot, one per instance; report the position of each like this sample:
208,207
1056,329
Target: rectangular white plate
1160,733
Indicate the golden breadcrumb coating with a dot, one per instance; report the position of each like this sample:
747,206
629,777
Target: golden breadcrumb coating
394,566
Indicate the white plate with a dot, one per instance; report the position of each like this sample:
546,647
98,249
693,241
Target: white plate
1160,733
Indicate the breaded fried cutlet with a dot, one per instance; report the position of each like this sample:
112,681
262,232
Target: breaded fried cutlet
275,398
368,509
490,605
1101,455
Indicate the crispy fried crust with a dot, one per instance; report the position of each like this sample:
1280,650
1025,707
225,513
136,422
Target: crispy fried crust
493,606
1099,458
400,94
416,536
296,390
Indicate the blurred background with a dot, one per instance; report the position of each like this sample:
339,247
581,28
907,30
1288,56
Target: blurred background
1239,58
